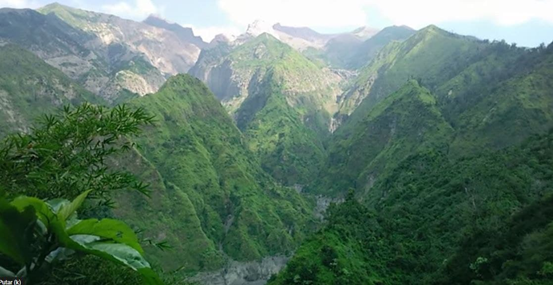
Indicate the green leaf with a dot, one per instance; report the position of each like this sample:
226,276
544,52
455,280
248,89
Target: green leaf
16,228
149,276
123,253
6,273
118,253
56,204
43,211
116,230
68,209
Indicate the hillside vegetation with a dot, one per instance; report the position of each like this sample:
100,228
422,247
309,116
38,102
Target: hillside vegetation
452,168
280,100
439,221
213,181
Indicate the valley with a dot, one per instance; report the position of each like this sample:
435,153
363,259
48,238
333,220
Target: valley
287,156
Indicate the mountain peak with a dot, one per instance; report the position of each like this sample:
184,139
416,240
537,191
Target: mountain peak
259,27
56,6
157,17
186,34
365,32
432,28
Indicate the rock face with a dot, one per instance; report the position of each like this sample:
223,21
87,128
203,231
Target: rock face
233,69
303,33
163,48
365,33
106,70
185,34
29,86
243,273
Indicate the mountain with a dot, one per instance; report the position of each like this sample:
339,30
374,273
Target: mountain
365,33
28,84
302,33
211,201
478,220
367,50
450,170
109,71
280,100
293,37
405,122
185,34
162,48
477,88
430,151
354,50
301,38
432,55
338,50
214,201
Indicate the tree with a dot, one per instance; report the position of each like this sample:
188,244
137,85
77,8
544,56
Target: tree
68,157
68,154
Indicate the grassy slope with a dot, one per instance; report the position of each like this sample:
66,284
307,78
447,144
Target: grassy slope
514,109
444,207
495,97
370,48
432,55
215,181
405,122
28,84
286,114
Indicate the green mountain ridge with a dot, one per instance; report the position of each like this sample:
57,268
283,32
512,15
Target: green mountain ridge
212,180
370,47
432,220
405,122
211,200
464,205
432,55
259,81
477,99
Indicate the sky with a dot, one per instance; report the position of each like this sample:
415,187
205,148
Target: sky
524,22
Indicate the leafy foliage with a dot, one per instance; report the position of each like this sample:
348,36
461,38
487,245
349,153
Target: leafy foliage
443,221
62,155
66,154
37,232
336,254
455,202
405,122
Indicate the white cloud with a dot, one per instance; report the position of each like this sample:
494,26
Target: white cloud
419,13
18,4
208,33
138,9
504,12
319,13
